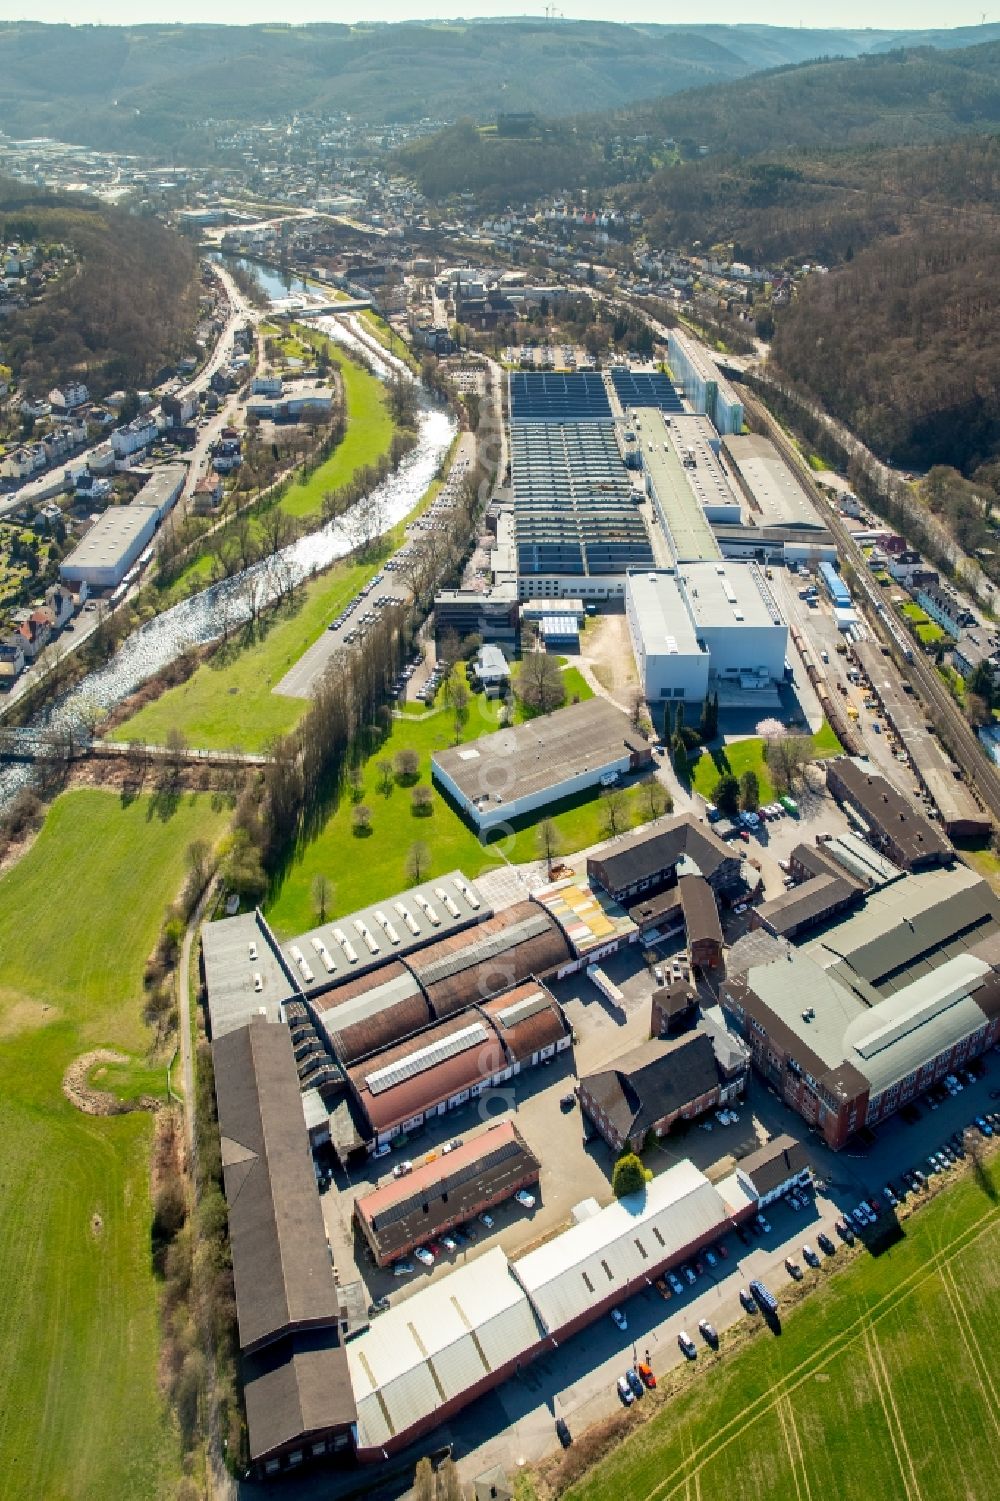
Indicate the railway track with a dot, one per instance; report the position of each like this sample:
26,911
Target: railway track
952,728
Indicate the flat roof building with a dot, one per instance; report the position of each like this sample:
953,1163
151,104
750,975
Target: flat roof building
517,771
245,973
680,509
163,488
104,556
703,624
696,444
705,387
407,1212
772,491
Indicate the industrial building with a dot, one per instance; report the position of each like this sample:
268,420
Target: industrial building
638,866
577,522
702,382
774,495
244,971
611,1253
517,771
422,1362
876,1007
696,445
406,1212
890,820
678,507
296,1383
163,488
103,557
701,622
651,1087
645,388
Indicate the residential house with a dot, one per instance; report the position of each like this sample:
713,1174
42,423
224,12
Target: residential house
68,397
12,657
651,1087
944,606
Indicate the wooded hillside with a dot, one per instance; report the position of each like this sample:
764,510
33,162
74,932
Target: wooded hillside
125,306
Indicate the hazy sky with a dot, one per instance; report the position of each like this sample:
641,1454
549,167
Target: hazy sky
890,13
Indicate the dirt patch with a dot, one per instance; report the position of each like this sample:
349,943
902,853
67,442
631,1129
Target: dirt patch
79,1091
96,1225
19,1013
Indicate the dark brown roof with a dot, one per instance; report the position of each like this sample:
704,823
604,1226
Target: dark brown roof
889,814
655,909
819,862
296,1390
653,1080
527,1019
374,1011
807,904
281,1264
648,852
453,1186
774,1163
500,952
418,1088
701,911
676,998
987,996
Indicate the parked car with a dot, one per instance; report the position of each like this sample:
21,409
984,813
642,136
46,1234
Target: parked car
635,1382
449,1242
845,1232
709,1333
688,1274
646,1374
403,1269
562,1432
809,1256
663,1288
793,1269
383,1150
676,1285
826,1245
762,1222
688,1345
424,1256
381,1305
401,1169
746,1298
525,1199
711,1258
619,1318
625,1392
567,1101
487,1220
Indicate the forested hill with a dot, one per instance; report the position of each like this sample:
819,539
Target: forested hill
894,99
124,305
822,205
155,87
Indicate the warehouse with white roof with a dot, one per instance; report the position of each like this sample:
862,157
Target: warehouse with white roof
612,1253
424,1360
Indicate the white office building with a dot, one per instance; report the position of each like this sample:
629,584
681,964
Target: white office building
672,662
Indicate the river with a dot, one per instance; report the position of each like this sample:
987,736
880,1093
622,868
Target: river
204,617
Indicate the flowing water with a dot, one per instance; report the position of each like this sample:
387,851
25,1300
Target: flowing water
206,616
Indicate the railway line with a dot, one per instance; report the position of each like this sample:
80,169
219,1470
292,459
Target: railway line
952,727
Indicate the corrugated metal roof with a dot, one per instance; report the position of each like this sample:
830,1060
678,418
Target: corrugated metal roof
438,1344
630,1238
917,1023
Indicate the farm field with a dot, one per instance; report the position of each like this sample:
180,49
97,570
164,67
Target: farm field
82,1418
363,868
883,1384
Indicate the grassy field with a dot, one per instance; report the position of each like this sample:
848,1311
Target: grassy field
884,1384
748,755
363,868
369,433
81,1416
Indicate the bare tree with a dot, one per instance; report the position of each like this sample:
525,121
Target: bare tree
656,798
615,810
418,861
422,801
549,842
384,768
322,895
786,759
361,819
540,683
407,764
